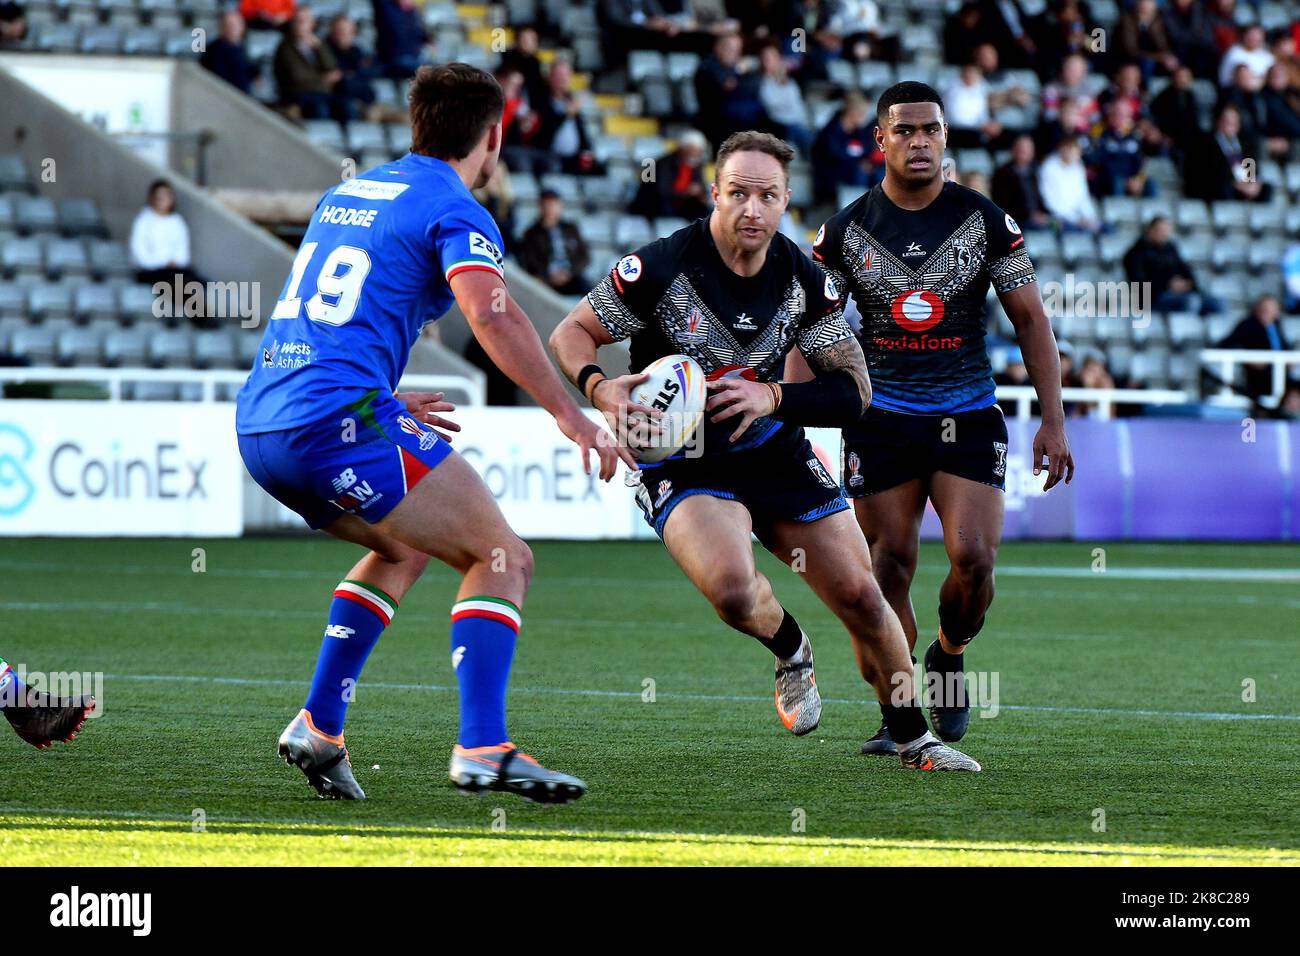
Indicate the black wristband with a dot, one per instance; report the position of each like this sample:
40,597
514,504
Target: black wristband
830,400
585,376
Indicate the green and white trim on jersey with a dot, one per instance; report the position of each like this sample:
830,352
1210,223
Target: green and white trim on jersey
490,608
369,597
468,265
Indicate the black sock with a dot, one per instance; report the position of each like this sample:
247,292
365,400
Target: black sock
944,663
785,642
905,723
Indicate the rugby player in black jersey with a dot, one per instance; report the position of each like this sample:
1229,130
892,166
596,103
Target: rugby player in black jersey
735,295
918,255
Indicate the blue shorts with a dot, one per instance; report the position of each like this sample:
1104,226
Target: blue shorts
361,461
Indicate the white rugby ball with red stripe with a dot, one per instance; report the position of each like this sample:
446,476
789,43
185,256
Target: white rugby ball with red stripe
675,387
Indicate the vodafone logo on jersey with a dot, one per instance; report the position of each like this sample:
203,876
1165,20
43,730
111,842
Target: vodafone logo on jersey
917,310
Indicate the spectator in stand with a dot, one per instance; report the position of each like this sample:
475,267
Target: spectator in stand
1130,86
524,59
1154,260
1281,110
160,241
1116,159
845,152
1063,184
1250,50
969,105
1220,170
810,40
1283,45
226,56
703,20
634,25
1007,26
679,186
357,66
1069,123
1174,112
553,250
1144,40
964,29
1015,187
497,196
1259,330
727,94
1093,374
306,73
1190,36
975,180
1220,17
1066,30
13,23
1072,84
783,100
858,21
561,132
400,37
267,14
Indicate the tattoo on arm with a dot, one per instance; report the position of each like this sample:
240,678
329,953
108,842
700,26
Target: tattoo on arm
844,356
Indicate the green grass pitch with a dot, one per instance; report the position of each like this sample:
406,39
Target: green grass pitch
1120,693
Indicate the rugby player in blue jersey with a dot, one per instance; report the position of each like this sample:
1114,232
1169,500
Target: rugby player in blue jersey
322,430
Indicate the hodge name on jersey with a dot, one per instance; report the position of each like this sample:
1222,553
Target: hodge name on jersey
919,279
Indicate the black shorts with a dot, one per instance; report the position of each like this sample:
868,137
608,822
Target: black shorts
779,481
887,449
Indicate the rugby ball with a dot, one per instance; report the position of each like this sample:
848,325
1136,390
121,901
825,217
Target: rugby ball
674,386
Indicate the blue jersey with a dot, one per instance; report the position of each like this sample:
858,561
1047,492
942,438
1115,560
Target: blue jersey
373,269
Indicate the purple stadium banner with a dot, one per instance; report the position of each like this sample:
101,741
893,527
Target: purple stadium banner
1158,478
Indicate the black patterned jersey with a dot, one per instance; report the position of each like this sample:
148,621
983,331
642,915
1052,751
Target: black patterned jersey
920,279
677,296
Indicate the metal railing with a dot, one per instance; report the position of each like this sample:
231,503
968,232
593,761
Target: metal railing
459,388
1105,399
1227,361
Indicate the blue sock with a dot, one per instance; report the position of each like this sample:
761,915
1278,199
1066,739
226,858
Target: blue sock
483,634
358,615
12,690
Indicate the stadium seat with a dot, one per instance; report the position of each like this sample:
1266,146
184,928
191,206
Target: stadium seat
597,226
57,38
1078,247
1266,220
126,348
13,173
35,214
143,41
100,39
1190,213
80,217
1186,329
682,66
37,344
108,258
135,303
1155,330
875,75
1230,217
247,344
645,63
1111,247
79,346
49,302
170,348
569,188
66,257
327,133
21,254
94,300
632,231
9,324
1218,326
361,136
1231,250
1150,367
13,302
657,94
1113,328
152,391
214,350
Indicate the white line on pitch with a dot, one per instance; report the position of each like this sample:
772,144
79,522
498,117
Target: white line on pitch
724,698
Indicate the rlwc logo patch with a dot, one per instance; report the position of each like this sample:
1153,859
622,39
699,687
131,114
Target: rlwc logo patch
1000,465
409,425
855,470
692,335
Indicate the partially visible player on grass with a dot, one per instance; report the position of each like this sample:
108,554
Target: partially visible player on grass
38,717
918,254
736,296
322,430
